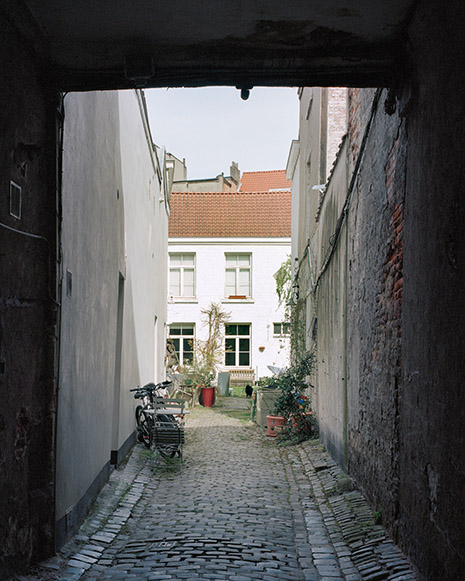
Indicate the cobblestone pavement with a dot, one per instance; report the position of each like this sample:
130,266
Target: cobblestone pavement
236,508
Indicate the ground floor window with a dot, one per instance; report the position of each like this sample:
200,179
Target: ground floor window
182,335
237,345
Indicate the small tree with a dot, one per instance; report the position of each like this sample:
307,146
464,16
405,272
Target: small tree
201,371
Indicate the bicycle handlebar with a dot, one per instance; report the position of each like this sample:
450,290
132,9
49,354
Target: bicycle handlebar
152,386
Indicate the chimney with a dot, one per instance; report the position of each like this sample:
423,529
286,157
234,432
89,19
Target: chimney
235,172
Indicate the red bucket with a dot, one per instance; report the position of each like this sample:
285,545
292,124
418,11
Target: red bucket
208,396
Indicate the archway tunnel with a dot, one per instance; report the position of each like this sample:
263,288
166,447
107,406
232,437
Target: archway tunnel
404,410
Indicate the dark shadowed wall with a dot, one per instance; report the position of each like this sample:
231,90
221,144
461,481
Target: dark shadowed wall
432,420
28,312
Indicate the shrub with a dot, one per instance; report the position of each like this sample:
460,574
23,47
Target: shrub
293,403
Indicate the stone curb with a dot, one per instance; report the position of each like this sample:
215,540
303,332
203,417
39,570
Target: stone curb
338,515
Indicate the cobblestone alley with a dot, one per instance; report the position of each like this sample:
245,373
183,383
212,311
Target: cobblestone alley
237,508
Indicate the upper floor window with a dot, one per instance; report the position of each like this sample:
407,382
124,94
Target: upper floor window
182,335
182,275
238,276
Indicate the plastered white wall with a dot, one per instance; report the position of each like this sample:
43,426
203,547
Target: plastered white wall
146,241
114,228
92,246
261,311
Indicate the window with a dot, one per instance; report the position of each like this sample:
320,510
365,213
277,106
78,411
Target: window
238,279
281,329
182,335
182,275
237,345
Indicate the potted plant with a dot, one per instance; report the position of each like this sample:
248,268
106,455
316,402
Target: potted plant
292,411
207,355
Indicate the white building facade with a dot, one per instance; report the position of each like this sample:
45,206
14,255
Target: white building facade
235,270
215,270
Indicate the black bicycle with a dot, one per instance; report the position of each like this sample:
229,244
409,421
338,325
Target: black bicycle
160,420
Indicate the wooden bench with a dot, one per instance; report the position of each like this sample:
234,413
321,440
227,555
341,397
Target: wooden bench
169,406
241,376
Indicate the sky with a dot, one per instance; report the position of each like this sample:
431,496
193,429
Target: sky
211,127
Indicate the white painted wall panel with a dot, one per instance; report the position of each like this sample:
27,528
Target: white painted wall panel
261,310
114,235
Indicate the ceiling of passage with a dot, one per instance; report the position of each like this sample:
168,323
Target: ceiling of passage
98,44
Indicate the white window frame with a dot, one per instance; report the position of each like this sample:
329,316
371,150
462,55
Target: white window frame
181,337
237,268
283,326
237,337
182,269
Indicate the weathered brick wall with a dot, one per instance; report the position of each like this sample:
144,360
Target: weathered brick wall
27,310
406,301
337,122
357,116
374,302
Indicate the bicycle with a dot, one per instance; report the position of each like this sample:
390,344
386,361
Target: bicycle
160,420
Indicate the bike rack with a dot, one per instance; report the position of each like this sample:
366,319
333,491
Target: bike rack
168,436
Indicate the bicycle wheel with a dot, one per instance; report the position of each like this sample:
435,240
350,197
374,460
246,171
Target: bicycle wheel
144,427
166,451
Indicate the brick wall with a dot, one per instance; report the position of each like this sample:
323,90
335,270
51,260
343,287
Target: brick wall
374,303
358,113
337,122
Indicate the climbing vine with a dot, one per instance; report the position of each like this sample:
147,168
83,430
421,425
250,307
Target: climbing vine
284,282
294,308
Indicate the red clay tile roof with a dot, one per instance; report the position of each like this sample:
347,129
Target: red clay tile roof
264,181
235,214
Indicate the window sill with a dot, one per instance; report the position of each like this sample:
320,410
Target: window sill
187,300
247,300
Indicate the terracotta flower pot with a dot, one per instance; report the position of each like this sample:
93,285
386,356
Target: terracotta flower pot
274,424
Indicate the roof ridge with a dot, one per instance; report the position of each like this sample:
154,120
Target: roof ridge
238,192
265,171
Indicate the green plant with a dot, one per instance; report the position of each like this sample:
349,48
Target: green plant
146,454
297,325
283,279
201,371
124,493
378,517
267,382
293,402
168,467
294,308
